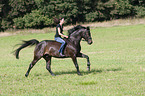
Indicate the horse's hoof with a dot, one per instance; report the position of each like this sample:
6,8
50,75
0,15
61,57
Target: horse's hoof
53,74
80,74
26,75
88,68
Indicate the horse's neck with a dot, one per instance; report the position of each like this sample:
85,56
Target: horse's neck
75,40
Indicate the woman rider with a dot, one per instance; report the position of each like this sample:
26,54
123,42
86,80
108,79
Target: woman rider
59,34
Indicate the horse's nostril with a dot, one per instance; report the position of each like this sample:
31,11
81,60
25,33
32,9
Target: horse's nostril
90,42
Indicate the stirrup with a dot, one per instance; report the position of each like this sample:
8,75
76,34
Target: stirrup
62,55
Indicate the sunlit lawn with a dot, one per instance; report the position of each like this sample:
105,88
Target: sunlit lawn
117,58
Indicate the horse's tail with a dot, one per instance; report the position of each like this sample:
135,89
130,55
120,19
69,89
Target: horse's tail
25,44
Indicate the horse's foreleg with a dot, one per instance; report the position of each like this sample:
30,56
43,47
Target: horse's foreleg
88,60
48,64
32,65
76,65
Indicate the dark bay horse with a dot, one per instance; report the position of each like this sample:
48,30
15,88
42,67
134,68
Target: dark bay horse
49,48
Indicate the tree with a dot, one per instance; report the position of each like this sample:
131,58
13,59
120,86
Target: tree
40,13
11,9
122,9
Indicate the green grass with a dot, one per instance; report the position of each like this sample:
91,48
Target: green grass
117,58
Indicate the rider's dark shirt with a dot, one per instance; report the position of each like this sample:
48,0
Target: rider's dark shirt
61,30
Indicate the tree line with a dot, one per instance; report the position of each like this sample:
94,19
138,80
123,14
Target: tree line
22,14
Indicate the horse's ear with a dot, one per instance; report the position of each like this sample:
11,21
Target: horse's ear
88,28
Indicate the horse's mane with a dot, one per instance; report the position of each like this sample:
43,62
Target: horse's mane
70,31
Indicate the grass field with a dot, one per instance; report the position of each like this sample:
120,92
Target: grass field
117,58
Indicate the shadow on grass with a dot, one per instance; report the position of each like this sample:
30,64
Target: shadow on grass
93,71
75,72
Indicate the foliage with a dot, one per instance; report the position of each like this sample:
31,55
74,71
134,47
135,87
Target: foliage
19,23
30,11
96,12
33,20
5,24
140,11
122,8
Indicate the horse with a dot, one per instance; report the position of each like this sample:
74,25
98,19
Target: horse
50,48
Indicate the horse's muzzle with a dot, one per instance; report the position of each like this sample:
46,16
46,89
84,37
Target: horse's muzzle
90,41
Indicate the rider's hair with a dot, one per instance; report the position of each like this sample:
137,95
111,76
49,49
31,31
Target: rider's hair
56,20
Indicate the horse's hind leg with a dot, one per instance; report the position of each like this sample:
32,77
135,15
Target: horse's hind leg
74,59
48,64
32,64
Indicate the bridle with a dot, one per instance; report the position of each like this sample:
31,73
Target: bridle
86,36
